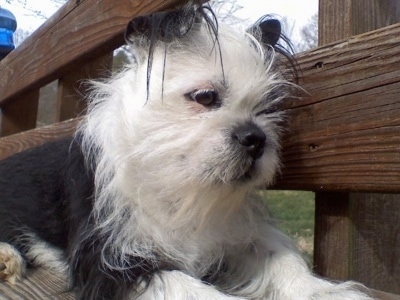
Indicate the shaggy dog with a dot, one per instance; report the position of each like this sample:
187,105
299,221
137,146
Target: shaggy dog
155,197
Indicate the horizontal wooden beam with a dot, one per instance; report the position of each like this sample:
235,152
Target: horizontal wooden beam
16,143
384,296
346,134
78,31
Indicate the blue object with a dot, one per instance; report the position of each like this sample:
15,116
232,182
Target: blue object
8,25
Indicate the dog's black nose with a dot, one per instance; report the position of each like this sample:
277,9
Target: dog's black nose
250,137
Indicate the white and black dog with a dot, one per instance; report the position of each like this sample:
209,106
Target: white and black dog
155,196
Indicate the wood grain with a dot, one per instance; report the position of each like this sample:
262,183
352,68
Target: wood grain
73,87
332,236
379,295
345,134
376,236
22,141
79,31
20,114
356,233
341,19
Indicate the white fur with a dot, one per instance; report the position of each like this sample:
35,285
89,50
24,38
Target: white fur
166,173
38,252
44,255
171,285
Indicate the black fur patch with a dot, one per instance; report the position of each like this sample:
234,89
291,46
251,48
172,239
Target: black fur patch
48,191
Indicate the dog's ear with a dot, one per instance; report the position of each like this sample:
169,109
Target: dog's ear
163,26
270,29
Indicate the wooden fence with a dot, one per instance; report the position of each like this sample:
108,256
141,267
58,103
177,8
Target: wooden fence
343,141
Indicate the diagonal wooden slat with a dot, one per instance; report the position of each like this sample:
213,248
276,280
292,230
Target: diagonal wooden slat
16,143
68,39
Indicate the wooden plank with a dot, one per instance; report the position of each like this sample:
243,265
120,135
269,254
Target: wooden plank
328,14
332,210
376,246
384,296
70,100
348,143
20,114
72,87
351,65
68,39
350,123
341,19
25,140
367,243
332,235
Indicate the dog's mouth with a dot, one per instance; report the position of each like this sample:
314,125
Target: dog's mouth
249,173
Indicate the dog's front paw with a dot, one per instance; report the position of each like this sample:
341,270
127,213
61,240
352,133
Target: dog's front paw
178,285
12,265
343,291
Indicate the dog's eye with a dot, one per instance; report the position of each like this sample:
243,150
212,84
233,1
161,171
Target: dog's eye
205,97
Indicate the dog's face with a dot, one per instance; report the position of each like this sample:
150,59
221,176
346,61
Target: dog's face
211,122
205,116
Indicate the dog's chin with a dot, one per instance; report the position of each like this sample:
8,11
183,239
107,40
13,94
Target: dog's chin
249,174
255,174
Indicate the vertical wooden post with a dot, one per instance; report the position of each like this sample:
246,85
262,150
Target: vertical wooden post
340,19
72,87
344,234
376,240
332,235
19,114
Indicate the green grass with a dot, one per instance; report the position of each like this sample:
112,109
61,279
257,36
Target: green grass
294,215
293,210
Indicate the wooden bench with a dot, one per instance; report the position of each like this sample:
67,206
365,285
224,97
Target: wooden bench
343,141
